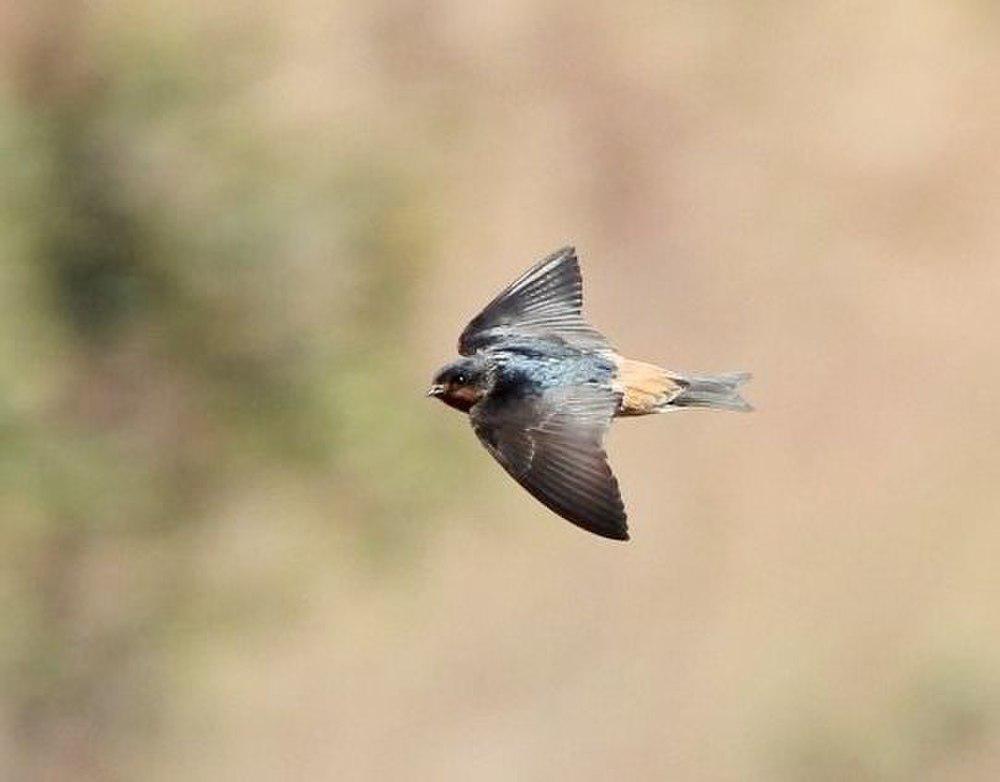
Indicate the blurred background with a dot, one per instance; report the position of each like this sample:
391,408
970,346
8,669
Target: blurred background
237,238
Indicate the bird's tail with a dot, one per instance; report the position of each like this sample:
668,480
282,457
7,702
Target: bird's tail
717,391
647,388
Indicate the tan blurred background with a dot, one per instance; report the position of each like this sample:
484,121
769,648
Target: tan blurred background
237,543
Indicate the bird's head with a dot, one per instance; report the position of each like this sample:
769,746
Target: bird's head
460,384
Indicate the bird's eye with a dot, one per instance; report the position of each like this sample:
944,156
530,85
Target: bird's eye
460,379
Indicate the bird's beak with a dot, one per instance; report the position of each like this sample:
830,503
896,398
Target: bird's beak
435,390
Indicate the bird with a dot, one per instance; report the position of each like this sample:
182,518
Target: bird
541,386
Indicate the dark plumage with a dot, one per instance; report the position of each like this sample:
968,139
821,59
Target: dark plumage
541,386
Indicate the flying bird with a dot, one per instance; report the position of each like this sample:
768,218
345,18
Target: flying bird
541,386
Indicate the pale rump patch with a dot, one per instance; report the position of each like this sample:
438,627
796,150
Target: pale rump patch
645,388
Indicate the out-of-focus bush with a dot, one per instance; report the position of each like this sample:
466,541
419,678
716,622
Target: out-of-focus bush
195,305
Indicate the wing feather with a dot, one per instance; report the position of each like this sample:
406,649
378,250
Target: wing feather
546,301
552,445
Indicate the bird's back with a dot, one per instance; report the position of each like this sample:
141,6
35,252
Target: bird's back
541,364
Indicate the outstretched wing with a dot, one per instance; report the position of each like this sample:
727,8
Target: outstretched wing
552,445
543,302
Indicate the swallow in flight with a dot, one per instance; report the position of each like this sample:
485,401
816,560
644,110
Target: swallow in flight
541,386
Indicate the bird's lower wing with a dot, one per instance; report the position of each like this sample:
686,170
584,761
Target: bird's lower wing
552,445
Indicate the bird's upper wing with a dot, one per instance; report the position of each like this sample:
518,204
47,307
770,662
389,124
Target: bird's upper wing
552,445
543,302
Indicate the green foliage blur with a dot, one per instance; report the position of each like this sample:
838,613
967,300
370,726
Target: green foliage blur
193,305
